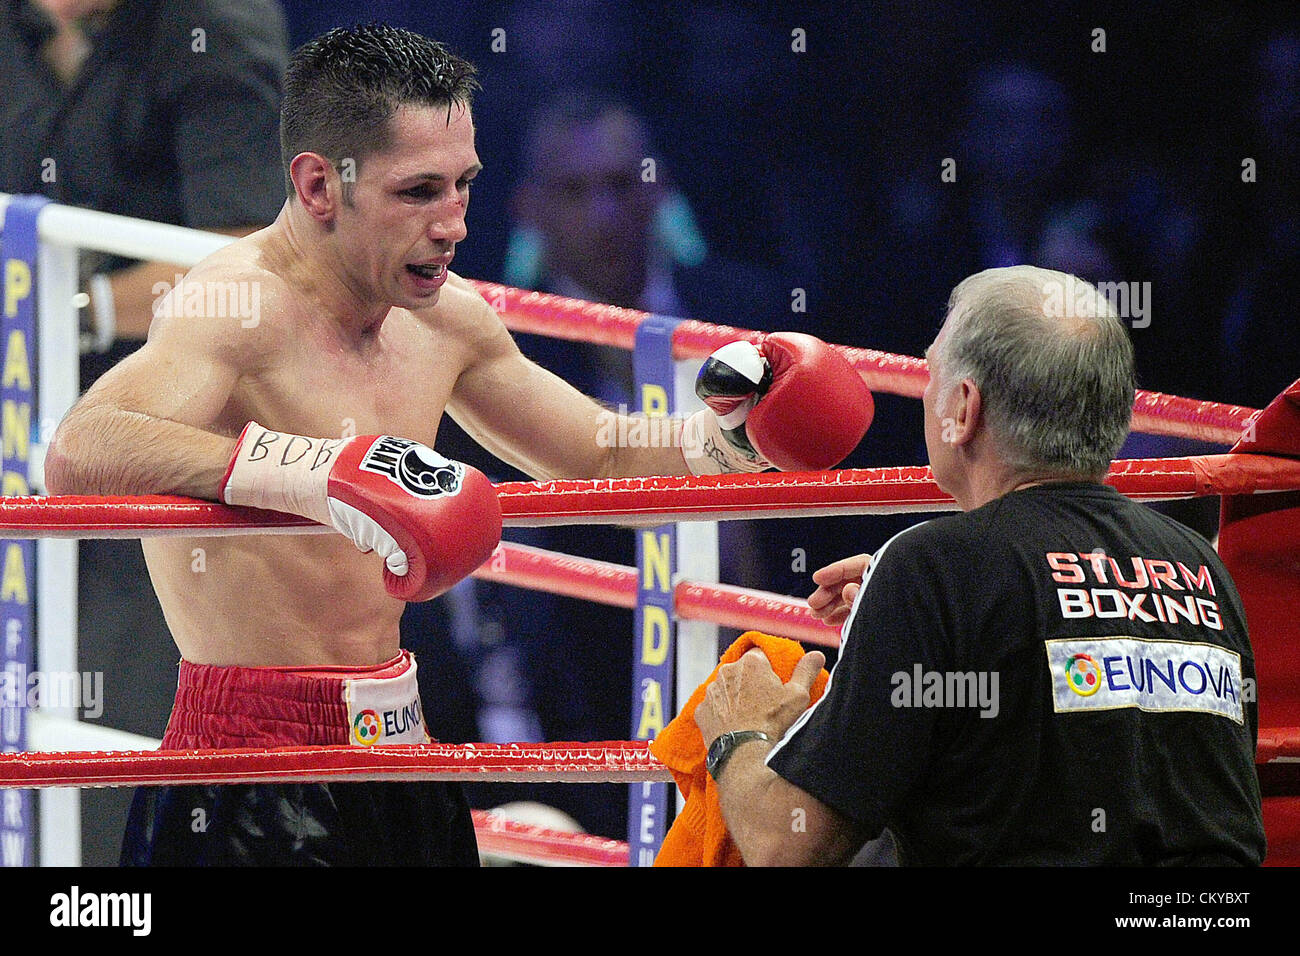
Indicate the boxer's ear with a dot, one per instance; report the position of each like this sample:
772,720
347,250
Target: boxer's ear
317,185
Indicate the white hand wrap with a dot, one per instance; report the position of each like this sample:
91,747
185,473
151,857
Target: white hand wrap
281,472
707,451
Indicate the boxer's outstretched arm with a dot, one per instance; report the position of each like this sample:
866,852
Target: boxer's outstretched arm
144,427
536,421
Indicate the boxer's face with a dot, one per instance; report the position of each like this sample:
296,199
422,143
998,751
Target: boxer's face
408,206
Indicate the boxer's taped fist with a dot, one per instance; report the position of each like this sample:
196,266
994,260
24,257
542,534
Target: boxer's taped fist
817,408
432,520
792,402
729,383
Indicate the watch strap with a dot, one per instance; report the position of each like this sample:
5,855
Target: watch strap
720,750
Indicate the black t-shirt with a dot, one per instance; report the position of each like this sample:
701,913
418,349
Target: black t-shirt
173,117
1061,676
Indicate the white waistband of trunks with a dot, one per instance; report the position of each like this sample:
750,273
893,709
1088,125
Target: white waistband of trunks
385,710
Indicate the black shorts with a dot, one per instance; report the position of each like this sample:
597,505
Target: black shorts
301,824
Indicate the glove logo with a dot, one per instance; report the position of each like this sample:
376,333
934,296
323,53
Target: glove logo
365,729
417,469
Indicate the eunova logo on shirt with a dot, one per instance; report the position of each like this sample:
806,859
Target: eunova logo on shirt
1136,589
1105,673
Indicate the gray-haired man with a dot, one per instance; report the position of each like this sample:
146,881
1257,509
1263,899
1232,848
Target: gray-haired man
1122,731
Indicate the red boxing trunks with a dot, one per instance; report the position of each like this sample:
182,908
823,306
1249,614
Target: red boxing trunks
275,706
299,824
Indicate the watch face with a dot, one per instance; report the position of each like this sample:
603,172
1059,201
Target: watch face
715,751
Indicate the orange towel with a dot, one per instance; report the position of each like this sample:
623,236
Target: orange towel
699,837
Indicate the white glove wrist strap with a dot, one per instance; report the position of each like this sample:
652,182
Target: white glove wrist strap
282,472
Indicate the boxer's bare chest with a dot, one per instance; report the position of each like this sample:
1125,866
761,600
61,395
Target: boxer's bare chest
396,381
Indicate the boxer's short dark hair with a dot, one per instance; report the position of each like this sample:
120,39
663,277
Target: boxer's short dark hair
342,89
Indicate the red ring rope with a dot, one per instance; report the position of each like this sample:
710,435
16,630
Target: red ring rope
621,761
615,585
637,500
617,761
499,836
573,319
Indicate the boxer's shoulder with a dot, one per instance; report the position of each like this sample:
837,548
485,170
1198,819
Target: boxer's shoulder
205,342
232,303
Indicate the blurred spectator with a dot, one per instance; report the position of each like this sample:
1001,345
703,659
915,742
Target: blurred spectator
752,86
156,109
980,194
597,218
162,110
1015,143
1137,226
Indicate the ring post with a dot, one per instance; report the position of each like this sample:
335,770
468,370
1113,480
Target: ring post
654,637
697,561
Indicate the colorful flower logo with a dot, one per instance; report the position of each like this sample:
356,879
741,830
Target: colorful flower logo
365,729
1083,675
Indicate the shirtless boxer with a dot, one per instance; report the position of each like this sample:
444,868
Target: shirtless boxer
362,331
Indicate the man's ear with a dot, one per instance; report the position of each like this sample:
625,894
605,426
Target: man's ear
967,413
317,186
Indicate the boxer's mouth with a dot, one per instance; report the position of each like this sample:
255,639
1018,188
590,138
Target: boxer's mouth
428,270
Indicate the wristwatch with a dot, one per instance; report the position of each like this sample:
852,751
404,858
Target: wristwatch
720,750
94,303
95,314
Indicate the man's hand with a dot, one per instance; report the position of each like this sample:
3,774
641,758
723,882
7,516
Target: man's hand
747,695
837,586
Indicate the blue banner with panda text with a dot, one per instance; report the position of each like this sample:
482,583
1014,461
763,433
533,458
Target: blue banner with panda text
656,558
18,250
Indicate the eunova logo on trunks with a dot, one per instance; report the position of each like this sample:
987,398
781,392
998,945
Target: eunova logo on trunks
413,467
365,728
1136,589
385,710
370,726
1106,673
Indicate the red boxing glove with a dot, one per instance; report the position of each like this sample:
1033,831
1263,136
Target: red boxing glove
432,520
792,402
817,408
